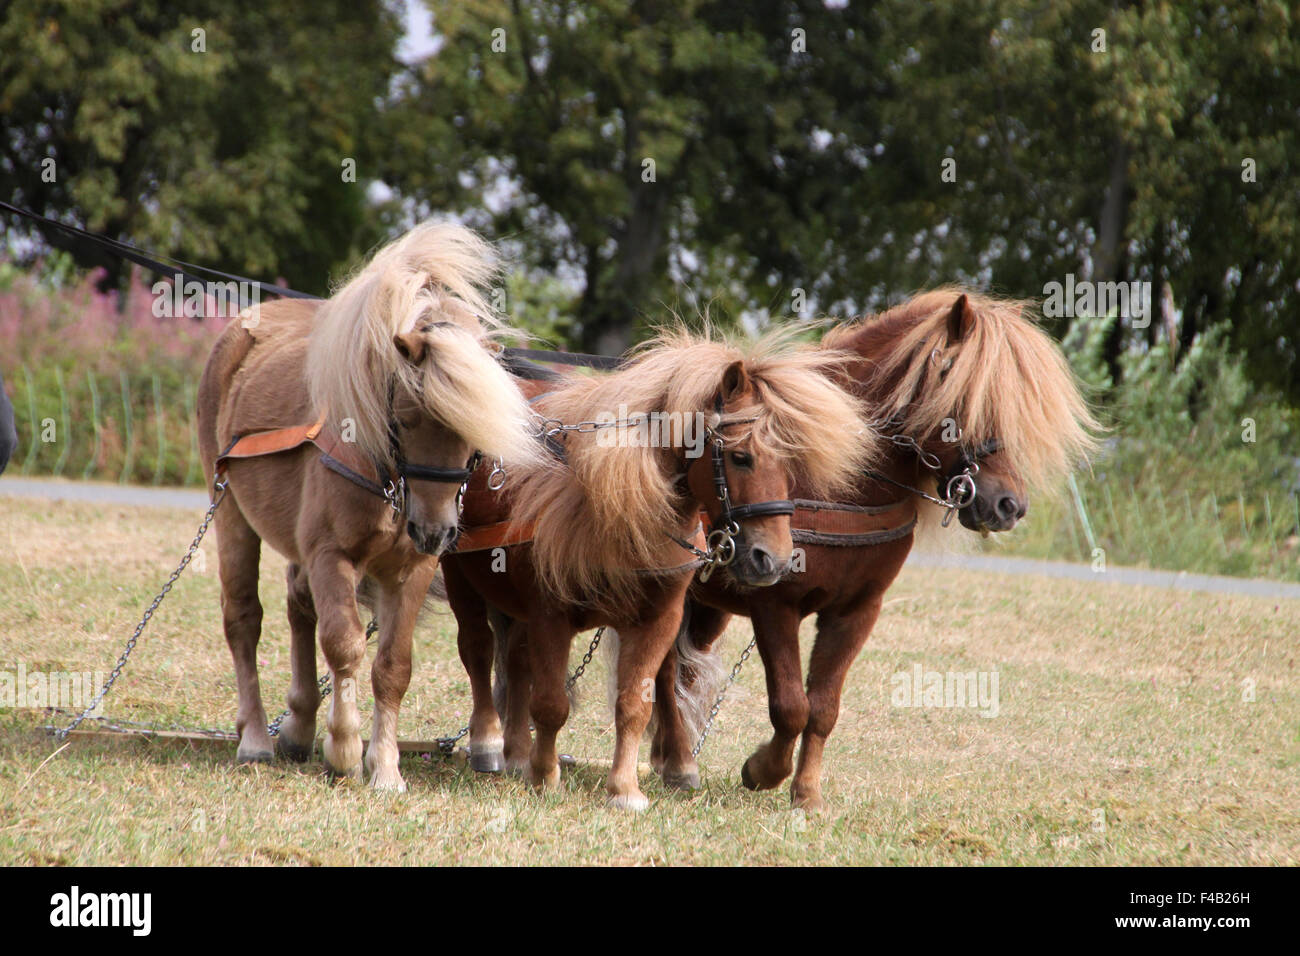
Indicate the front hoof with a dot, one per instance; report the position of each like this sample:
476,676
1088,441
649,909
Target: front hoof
388,783
808,803
342,755
519,768
682,780
298,753
252,755
487,761
337,777
547,781
747,778
633,802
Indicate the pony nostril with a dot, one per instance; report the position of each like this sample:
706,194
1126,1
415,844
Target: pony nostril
413,532
764,563
1008,507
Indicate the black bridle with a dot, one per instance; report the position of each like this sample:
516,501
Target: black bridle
721,538
393,484
957,484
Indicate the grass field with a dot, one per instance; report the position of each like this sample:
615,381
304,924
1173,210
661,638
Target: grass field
1124,734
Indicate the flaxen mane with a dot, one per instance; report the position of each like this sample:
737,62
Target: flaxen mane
432,277
1005,379
608,509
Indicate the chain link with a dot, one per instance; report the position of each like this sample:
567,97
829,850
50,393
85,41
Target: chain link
219,487
446,745
586,659
717,704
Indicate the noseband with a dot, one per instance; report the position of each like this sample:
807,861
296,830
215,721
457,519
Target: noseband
394,485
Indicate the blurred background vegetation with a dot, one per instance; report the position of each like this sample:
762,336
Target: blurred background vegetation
763,161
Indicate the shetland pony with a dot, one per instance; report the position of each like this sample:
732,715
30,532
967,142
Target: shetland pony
397,374
978,406
604,528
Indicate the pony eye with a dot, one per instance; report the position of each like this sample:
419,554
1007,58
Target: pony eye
742,459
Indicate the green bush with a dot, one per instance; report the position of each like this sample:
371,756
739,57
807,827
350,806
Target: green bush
1198,470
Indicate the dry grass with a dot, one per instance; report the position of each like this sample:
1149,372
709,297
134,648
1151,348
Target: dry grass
1122,736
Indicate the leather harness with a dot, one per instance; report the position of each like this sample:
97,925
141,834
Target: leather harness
343,459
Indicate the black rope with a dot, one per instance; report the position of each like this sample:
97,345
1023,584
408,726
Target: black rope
154,263
147,260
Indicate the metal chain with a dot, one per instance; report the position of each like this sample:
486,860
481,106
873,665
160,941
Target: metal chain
219,486
717,704
446,745
586,659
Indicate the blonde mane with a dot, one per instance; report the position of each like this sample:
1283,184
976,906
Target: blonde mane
431,278
1005,378
608,509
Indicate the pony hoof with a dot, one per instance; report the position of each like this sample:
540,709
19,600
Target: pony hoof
682,781
747,778
492,761
253,756
298,753
632,802
343,776
568,760
394,784
810,804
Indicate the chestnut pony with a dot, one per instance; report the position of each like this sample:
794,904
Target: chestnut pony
397,373
979,407
607,531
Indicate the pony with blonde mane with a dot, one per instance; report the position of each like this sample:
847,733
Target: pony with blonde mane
981,410
341,433
611,525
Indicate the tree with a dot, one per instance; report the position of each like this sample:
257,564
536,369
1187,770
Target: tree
217,135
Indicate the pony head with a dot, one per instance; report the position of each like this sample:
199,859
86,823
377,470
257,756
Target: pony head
402,361
986,395
769,408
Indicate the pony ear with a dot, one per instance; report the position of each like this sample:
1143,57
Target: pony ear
412,346
735,381
960,319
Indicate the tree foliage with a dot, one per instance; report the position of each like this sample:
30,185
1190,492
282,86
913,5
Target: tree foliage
229,155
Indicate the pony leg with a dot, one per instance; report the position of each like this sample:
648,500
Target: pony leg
240,552
514,694
777,630
475,644
548,658
683,695
640,654
839,639
390,674
343,640
297,737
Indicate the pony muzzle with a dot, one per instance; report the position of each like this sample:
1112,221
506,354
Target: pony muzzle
431,539
756,565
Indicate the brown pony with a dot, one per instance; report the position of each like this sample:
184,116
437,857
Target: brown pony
980,407
397,374
607,532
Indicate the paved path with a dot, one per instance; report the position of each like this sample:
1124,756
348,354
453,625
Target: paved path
197,501
103,493
1178,580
